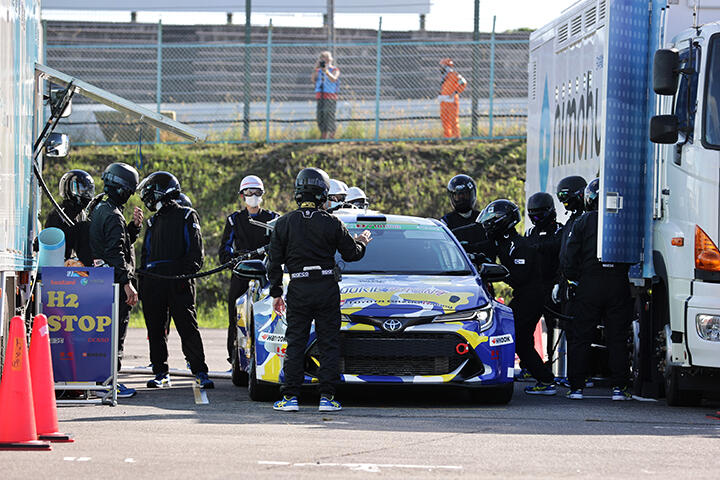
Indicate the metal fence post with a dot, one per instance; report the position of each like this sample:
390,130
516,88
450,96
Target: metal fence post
378,62
268,74
246,90
491,93
475,85
158,78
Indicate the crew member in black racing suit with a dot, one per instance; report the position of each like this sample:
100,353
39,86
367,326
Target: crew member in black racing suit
77,189
545,236
172,246
241,236
462,221
523,262
111,244
570,192
601,291
305,240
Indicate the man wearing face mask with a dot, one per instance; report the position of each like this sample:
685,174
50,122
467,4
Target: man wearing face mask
241,236
337,194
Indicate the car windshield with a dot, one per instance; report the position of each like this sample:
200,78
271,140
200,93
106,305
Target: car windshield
711,123
407,249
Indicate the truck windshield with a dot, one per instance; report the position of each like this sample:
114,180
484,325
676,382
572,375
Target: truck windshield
711,121
407,249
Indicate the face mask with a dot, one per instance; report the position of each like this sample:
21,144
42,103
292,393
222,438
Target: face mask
253,201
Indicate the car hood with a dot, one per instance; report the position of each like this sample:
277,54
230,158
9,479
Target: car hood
408,295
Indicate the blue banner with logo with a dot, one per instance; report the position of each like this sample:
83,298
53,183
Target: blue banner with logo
78,303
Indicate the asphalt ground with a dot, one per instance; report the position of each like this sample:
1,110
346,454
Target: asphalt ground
382,433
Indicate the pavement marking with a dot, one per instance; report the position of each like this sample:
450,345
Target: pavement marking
200,396
364,467
129,460
644,399
678,427
77,459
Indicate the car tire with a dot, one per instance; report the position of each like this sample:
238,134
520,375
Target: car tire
257,391
239,376
500,395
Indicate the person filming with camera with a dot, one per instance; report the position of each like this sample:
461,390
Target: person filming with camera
326,76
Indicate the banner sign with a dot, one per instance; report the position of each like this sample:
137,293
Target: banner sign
78,303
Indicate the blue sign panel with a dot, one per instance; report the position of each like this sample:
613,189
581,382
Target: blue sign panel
78,303
623,182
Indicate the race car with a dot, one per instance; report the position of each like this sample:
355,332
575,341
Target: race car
415,310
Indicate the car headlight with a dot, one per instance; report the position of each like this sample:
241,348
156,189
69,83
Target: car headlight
481,315
708,327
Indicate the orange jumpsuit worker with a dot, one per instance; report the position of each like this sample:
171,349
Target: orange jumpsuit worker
452,85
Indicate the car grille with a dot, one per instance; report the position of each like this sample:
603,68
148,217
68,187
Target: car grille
398,354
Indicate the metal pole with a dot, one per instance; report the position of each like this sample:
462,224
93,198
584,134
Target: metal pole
475,82
378,58
268,71
158,77
331,26
492,80
246,91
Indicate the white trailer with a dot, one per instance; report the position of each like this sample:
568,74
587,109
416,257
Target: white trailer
593,74
26,130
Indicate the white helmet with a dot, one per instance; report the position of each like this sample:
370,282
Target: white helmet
251,181
337,187
356,197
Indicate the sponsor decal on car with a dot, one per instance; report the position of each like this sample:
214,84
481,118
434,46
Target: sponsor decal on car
272,337
501,340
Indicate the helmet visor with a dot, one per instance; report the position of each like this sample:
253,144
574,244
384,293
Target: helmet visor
338,197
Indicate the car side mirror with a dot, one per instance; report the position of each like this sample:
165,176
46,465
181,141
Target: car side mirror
492,272
252,270
57,145
664,129
666,71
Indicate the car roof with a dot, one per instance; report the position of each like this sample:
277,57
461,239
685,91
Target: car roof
353,215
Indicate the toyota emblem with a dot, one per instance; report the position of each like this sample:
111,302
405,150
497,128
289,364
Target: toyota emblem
392,325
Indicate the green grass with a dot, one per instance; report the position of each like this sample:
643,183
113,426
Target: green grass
405,178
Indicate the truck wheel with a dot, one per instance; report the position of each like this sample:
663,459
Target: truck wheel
239,376
674,396
500,395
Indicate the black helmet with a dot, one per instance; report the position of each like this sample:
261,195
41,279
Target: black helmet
78,187
463,194
312,185
499,217
159,187
570,192
120,181
184,201
592,191
541,209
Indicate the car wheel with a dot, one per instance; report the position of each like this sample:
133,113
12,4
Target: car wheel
257,391
239,376
500,395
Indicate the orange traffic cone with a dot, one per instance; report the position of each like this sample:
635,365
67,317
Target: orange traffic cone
17,419
43,383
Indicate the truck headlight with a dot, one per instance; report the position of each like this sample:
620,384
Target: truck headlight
482,315
708,327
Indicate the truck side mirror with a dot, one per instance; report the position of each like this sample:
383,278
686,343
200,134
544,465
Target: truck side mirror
666,71
56,96
492,272
57,145
664,129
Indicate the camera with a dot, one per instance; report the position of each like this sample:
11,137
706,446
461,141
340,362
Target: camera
322,63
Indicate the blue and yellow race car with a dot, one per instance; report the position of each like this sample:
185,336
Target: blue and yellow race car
415,310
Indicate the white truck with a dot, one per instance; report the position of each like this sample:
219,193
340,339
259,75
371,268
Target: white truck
629,90
26,137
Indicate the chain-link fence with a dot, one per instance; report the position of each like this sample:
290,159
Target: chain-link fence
239,92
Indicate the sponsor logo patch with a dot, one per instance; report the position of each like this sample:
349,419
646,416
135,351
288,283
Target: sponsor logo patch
272,337
501,340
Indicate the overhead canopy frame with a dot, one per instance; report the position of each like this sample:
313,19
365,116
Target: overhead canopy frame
120,104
